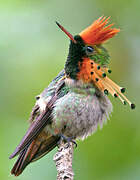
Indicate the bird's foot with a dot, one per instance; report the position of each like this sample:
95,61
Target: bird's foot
67,140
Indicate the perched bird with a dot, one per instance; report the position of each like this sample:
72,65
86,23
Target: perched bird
76,101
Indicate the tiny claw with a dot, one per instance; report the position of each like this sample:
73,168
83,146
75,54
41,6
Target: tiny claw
75,144
68,140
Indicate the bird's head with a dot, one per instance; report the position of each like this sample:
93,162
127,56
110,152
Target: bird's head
88,60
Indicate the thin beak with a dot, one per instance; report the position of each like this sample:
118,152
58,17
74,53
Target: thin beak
66,32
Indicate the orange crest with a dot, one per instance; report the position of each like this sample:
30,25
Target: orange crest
99,31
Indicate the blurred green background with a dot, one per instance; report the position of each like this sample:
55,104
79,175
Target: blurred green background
33,50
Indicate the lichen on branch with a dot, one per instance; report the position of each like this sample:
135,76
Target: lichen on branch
63,160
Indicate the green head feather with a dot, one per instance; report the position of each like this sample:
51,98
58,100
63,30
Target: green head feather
100,55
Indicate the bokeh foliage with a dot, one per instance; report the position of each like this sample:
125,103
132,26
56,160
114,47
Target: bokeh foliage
33,50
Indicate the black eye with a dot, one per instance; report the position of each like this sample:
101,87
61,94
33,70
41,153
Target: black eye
89,49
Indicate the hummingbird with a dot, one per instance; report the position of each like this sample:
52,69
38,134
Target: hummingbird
76,101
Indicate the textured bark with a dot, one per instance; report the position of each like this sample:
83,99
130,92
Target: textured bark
63,160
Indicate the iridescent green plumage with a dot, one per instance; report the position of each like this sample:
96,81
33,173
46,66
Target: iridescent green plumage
101,55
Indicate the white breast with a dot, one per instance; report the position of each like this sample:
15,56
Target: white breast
80,113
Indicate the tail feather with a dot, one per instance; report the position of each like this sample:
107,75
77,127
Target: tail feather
17,169
37,149
46,148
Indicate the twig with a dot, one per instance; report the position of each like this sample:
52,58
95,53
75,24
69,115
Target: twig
63,160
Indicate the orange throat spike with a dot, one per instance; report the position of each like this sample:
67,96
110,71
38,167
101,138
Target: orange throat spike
91,72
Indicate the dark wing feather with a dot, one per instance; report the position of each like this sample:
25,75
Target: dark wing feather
35,128
39,147
42,120
50,143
